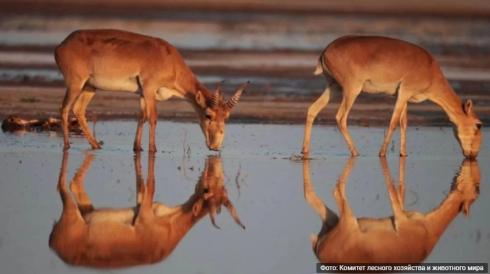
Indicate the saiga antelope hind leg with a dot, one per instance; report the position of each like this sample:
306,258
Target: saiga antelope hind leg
79,109
77,186
403,131
141,122
400,106
139,178
397,198
347,218
74,87
313,111
310,194
149,91
145,213
329,218
349,96
70,210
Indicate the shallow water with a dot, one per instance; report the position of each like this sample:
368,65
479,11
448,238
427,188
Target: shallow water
270,199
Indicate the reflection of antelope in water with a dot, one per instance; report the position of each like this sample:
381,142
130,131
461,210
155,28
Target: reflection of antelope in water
145,234
406,237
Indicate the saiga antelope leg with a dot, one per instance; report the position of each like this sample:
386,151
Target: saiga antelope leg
74,88
77,186
145,213
139,177
70,209
141,123
151,175
149,92
79,109
313,111
401,182
403,131
401,102
347,218
329,218
396,204
350,94
310,195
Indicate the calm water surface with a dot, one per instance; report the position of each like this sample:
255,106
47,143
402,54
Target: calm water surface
268,193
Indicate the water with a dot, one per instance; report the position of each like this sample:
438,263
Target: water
269,197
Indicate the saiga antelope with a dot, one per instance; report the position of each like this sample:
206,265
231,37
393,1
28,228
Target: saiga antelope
374,64
145,234
116,60
406,237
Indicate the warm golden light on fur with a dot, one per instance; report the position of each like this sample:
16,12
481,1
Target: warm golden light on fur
116,60
405,237
374,64
144,234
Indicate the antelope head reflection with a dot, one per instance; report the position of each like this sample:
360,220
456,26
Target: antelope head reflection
405,237
144,234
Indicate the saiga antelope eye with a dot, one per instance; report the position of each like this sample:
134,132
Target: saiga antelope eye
478,126
208,116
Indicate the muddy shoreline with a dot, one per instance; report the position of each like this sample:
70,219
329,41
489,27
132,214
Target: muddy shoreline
37,102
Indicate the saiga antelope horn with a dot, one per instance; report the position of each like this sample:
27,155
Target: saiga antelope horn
232,102
215,98
233,213
212,209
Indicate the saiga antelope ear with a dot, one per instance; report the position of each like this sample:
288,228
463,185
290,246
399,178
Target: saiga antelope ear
465,208
196,208
468,107
314,240
201,100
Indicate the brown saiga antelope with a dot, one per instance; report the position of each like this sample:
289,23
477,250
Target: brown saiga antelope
144,234
405,237
116,60
374,64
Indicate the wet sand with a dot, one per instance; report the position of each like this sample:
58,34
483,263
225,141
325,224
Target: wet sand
270,199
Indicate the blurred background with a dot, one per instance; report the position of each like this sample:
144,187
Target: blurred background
273,43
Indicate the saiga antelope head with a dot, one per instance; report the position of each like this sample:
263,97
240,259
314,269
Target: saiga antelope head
213,114
344,238
467,184
124,237
468,131
214,194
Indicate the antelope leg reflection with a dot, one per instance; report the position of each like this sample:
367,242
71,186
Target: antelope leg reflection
346,215
405,237
123,237
77,188
329,218
139,177
396,198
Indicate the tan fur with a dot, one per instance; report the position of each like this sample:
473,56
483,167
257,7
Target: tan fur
117,60
374,64
405,237
122,237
